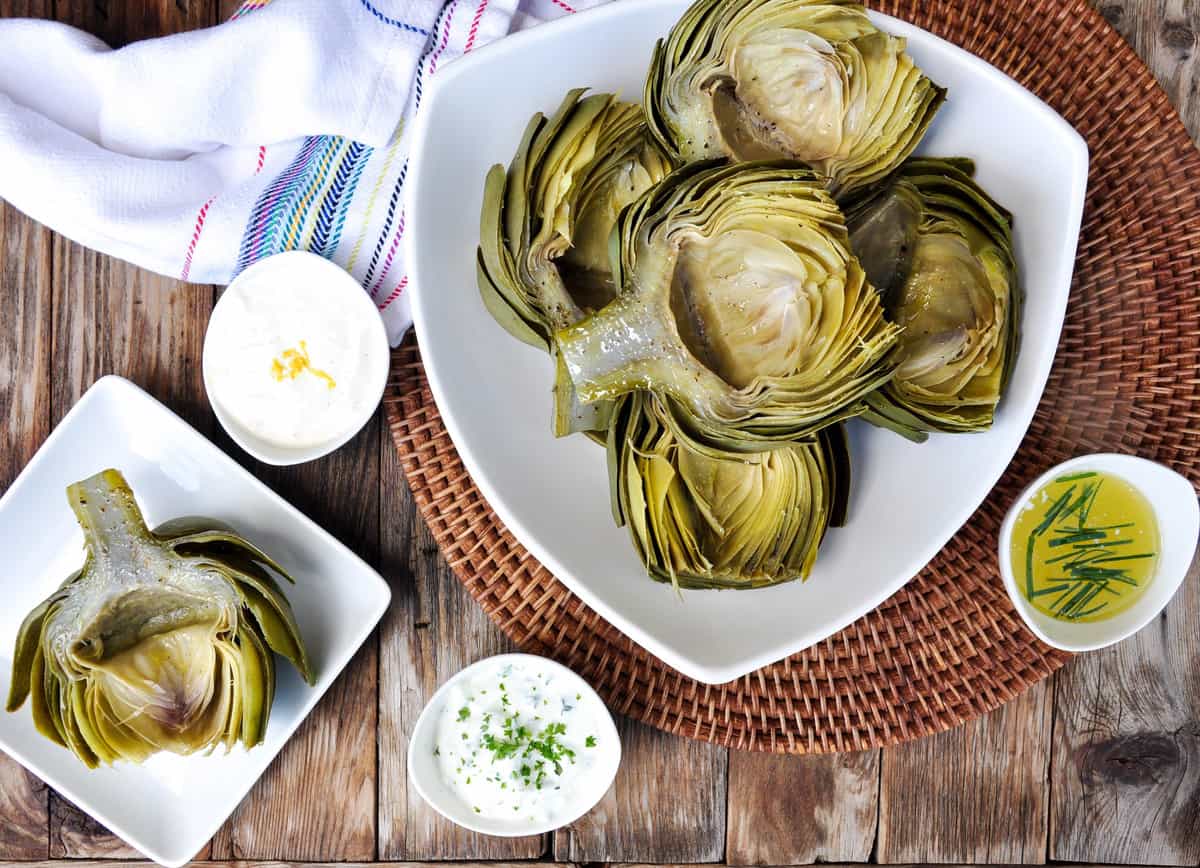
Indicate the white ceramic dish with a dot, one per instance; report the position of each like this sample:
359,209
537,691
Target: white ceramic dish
347,292
1178,513
426,778
170,806
494,392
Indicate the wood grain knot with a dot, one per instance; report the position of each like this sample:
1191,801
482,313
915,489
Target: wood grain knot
1113,13
1141,760
1178,36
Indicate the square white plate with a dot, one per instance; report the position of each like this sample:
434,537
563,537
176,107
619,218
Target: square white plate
169,807
494,392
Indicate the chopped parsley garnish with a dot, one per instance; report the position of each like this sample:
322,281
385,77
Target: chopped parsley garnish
523,748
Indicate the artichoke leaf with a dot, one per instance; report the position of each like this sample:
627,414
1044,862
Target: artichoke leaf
44,720
29,637
939,249
258,691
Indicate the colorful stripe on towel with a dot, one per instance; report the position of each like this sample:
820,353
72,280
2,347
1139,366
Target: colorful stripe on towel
329,196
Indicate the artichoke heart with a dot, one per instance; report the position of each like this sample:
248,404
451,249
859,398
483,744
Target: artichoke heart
939,249
704,518
742,303
810,80
162,641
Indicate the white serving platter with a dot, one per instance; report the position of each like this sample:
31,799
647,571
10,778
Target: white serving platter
169,807
494,392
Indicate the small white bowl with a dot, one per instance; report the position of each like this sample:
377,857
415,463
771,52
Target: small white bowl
1178,513
348,292
427,780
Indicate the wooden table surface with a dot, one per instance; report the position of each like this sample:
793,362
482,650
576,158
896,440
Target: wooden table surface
1100,764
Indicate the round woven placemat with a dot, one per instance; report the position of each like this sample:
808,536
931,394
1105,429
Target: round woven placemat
948,647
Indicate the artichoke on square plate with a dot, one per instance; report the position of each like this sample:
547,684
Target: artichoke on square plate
543,260
741,305
704,518
939,249
162,641
811,80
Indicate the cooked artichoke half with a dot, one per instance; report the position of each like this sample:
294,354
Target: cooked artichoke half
703,518
939,249
741,301
797,79
161,642
543,260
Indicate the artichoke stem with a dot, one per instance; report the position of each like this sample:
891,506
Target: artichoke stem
599,351
105,508
629,344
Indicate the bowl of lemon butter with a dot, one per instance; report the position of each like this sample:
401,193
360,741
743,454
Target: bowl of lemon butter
1095,548
295,358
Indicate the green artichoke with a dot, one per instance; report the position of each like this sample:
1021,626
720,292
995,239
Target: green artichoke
703,518
161,642
811,80
543,260
939,249
741,304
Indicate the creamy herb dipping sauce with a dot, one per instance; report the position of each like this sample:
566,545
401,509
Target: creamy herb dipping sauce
289,358
517,742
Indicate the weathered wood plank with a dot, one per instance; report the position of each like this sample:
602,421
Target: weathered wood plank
801,810
288,815
110,317
25,323
1166,35
667,804
88,863
976,794
1126,767
114,318
135,863
432,630
74,834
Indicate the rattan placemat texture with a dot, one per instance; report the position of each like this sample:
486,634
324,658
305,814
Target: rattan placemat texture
948,647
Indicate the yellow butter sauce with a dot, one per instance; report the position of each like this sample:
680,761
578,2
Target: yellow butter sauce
1085,546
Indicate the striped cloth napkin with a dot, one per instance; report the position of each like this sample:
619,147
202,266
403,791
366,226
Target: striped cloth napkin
196,154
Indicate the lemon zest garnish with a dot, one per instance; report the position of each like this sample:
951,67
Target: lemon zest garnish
293,363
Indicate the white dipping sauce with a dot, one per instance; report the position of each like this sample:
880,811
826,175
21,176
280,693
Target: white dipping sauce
289,358
517,742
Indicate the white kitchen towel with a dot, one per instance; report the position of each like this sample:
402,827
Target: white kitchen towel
199,153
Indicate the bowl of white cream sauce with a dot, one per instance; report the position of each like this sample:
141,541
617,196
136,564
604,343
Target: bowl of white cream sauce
295,358
514,745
